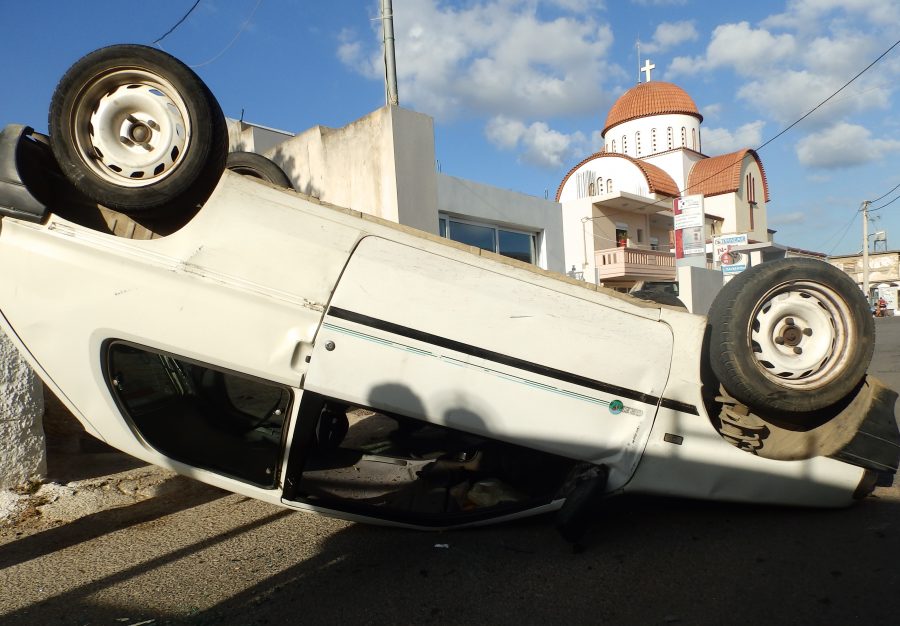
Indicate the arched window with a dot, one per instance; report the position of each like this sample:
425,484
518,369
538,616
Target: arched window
599,185
609,188
653,141
637,143
694,138
613,145
670,138
683,137
624,144
591,189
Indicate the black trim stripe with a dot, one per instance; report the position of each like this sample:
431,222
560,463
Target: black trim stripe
490,355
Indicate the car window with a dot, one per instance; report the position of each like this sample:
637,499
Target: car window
199,414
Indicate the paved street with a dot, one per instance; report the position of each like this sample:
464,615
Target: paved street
194,554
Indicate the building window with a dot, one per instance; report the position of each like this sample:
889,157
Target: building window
621,236
640,235
609,187
653,141
510,243
694,138
624,144
683,137
669,136
599,185
637,143
613,145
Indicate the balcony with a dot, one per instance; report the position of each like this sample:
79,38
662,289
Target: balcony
631,264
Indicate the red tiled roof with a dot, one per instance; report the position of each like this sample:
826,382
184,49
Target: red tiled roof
658,180
722,174
651,98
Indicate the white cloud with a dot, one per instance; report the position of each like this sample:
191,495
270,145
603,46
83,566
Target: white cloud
711,111
843,145
801,14
538,144
492,57
670,34
723,141
748,51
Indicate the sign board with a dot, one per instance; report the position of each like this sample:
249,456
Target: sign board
690,239
730,260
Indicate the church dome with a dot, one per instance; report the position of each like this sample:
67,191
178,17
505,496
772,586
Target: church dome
650,98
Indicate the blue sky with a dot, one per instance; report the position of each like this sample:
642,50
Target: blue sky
519,89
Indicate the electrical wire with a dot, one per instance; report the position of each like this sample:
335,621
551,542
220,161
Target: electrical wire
846,230
242,28
885,204
177,24
885,195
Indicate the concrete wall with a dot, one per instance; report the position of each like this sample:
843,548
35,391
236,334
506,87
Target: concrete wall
22,450
510,209
246,137
381,164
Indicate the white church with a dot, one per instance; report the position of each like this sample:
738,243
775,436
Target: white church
617,203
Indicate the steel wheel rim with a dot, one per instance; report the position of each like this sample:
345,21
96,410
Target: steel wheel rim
799,335
130,127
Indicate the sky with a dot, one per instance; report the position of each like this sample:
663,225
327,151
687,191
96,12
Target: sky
519,89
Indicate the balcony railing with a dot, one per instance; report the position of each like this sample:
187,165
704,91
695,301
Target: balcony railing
634,264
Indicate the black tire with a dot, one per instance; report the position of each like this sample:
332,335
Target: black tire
136,130
790,337
257,166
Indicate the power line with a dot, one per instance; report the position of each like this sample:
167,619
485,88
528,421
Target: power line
177,24
242,28
885,195
846,230
885,204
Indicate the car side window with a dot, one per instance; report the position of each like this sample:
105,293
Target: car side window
201,415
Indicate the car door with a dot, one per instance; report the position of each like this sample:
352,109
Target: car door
495,350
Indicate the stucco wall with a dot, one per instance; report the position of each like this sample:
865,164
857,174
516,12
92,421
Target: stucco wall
381,164
22,450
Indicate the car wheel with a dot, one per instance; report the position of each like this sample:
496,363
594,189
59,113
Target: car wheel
257,166
136,130
791,336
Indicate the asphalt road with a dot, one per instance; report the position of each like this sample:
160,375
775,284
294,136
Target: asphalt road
195,554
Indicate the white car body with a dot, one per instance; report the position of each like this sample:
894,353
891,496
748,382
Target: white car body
274,286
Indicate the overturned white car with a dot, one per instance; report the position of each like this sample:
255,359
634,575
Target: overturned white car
312,356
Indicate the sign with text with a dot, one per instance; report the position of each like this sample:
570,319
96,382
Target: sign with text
690,239
726,257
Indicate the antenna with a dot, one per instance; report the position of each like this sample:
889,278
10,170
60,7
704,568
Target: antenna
638,44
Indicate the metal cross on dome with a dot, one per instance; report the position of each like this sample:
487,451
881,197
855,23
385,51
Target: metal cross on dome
646,70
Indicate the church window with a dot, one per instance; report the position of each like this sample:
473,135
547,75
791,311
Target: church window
637,143
683,137
609,187
653,141
624,144
693,138
613,145
599,185
591,190
670,145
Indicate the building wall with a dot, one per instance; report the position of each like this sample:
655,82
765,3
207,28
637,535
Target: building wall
381,164
625,176
246,137
510,209
645,126
677,164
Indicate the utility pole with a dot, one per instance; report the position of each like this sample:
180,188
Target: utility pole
865,212
390,62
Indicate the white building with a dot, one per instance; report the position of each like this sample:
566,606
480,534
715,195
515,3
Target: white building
617,203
